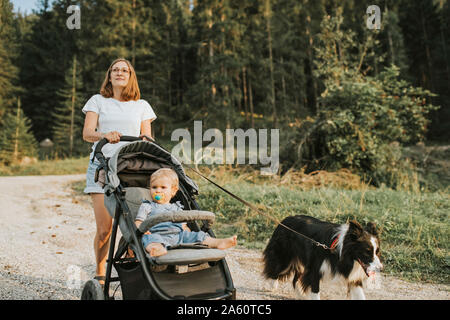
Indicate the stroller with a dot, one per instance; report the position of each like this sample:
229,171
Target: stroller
187,271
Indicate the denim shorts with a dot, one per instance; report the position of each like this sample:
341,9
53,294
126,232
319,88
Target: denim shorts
168,240
91,185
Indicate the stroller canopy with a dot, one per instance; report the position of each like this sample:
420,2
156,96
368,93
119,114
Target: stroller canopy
135,161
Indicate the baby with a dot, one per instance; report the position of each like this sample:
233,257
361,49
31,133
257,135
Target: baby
163,187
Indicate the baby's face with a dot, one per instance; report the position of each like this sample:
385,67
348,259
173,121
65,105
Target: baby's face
162,190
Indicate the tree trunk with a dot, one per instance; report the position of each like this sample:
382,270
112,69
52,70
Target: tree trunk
444,47
133,36
72,116
312,95
250,99
16,140
211,52
226,99
244,80
427,50
283,85
272,81
169,76
389,35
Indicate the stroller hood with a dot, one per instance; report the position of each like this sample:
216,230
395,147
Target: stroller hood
139,159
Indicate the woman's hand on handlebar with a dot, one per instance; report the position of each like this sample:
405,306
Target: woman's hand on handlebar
147,138
113,136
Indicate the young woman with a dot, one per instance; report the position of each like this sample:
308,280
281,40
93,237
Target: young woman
116,111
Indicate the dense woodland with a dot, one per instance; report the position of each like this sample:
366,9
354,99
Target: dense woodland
342,95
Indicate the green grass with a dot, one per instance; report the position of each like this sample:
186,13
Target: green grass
414,226
78,186
47,167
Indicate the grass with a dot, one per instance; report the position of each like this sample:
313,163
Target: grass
47,167
78,186
414,225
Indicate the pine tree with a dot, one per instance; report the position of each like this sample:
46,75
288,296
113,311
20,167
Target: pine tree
160,68
272,98
8,49
67,118
110,23
45,57
426,35
395,43
16,139
251,52
217,86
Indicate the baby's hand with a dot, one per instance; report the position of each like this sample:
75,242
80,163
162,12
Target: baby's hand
148,232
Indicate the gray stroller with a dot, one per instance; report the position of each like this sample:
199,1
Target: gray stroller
187,271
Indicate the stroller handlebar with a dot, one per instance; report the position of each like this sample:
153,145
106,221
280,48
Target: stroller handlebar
98,148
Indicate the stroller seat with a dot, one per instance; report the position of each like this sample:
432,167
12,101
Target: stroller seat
184,254
189,256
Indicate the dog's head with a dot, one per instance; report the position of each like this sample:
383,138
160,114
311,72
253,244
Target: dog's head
363,245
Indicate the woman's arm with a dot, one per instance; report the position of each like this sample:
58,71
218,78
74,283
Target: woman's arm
90,124
146,128
91,135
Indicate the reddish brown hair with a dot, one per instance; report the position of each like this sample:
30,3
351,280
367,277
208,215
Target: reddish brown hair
130,92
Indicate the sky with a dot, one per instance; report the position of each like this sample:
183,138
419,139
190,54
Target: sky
25,5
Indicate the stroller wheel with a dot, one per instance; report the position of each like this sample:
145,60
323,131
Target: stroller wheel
92,290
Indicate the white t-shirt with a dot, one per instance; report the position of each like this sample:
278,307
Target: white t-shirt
121,116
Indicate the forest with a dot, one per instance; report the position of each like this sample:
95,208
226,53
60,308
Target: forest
343,95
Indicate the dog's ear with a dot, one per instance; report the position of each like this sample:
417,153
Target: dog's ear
355,230
371,228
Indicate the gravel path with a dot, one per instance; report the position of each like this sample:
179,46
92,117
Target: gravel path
46,249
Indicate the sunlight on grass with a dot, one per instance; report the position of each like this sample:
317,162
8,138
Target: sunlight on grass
414,226
47,167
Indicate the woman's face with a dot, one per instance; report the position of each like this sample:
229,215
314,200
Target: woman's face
120,74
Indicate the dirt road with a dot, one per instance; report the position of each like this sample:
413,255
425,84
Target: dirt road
46,249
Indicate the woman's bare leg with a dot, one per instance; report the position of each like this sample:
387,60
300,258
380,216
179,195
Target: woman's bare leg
103,234
220,243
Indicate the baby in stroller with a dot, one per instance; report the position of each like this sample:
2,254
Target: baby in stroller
163,187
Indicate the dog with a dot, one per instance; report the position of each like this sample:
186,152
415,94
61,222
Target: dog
354,254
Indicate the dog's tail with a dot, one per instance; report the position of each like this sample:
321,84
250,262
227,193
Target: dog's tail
277,262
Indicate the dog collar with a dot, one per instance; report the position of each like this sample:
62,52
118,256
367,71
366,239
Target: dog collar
335,242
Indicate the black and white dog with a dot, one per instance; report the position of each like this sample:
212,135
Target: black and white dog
355,253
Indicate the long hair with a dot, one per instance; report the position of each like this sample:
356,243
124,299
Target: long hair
130,92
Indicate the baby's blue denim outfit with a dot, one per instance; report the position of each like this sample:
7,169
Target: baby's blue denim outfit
167,233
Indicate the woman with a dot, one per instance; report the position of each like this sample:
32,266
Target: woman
116,111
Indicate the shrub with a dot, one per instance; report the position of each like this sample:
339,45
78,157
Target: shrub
363,121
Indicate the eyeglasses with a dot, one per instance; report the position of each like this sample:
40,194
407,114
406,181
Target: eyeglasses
123,70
